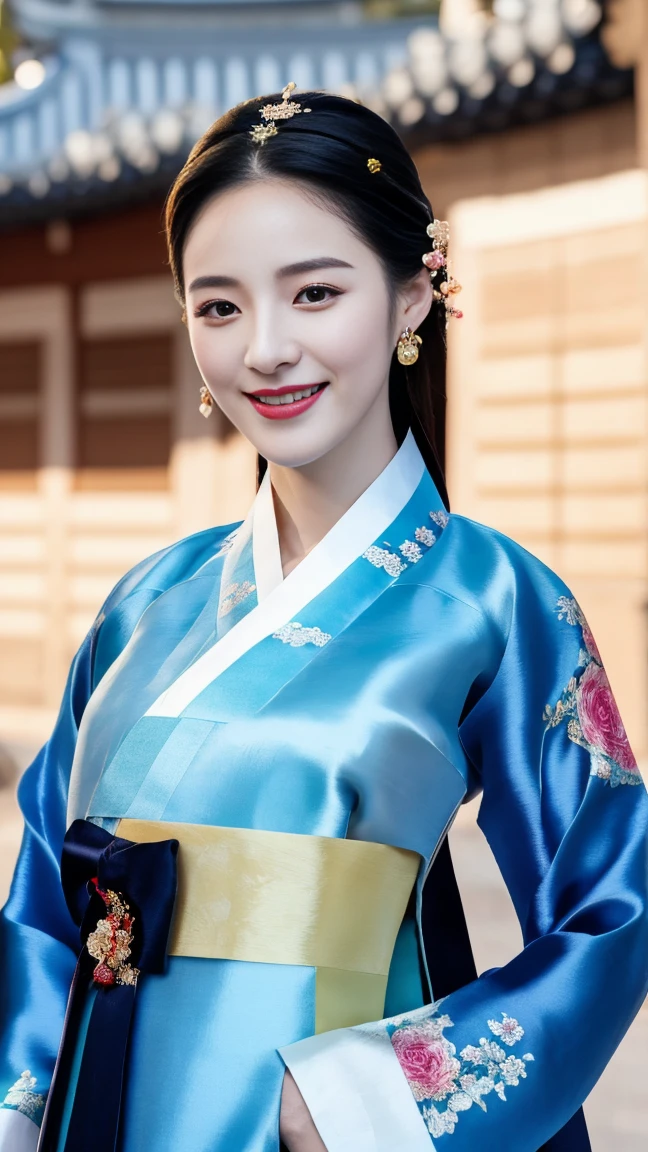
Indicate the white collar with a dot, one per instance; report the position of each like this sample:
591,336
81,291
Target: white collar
268,571
280,599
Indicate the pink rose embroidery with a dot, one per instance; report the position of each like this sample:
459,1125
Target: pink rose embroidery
445,1084
590,710
599,717
428,1063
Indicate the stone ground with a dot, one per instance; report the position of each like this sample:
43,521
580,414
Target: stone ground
617,1109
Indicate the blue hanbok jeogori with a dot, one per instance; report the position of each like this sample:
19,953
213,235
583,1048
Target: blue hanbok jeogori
409,661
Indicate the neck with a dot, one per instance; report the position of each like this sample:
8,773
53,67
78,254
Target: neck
311,498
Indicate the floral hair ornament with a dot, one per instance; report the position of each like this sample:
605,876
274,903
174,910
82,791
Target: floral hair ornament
271,112
373,165
437,262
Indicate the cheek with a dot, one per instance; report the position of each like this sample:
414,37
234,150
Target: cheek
215,357
362,341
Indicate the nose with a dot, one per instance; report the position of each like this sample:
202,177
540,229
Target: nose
270,347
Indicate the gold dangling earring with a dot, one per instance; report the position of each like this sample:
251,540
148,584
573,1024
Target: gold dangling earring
206,402
407,347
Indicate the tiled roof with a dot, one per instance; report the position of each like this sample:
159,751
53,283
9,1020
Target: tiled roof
123,100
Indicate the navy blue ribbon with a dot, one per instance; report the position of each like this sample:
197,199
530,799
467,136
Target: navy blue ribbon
146,876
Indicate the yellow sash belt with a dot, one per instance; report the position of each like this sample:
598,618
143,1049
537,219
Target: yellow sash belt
279,898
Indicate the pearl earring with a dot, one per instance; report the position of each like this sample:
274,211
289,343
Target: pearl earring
206,402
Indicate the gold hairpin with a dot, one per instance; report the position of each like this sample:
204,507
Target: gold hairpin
373,165
271,112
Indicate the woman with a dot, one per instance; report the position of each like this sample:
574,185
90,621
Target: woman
282,717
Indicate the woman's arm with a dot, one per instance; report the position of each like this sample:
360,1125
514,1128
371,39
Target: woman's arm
296,1126
38,940
507,1060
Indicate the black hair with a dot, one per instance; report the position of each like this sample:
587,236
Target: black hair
327,150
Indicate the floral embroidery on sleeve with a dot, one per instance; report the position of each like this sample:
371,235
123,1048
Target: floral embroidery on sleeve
436,1074
588,706
22,1098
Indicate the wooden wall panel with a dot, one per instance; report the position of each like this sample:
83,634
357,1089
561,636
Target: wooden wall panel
20,368
548,400
125,405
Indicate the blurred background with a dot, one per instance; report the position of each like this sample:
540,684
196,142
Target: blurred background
528,120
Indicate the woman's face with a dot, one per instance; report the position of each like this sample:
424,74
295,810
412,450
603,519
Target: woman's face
288,316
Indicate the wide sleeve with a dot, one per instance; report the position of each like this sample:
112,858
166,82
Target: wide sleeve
38,939
507,1060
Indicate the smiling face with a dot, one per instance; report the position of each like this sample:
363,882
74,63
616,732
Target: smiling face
289,319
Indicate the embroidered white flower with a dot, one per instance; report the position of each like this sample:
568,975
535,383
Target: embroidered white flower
234,594
475,1087
461,1102
425,536
512,1069
509,1031
382,558
488,1054
22,1097
440,518
439,1123
569,610
410,551
297,635
490,1051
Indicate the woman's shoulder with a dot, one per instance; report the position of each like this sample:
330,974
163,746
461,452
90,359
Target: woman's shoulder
144,583
173,564
495,572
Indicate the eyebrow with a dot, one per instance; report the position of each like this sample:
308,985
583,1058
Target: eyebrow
288,270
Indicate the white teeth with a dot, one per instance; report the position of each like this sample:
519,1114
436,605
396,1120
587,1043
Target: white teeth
288,397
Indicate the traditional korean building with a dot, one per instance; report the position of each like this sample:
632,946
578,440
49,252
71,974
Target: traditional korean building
525,131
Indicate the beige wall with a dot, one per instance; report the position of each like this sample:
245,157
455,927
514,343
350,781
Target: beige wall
547,436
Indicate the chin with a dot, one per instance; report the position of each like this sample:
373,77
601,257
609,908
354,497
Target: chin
297,447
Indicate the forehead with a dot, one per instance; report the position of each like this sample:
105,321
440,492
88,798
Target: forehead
270,221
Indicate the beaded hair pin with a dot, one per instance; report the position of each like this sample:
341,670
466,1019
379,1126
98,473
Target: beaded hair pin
271,112
436,260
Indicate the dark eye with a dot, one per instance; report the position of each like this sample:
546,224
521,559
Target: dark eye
317,293
216,309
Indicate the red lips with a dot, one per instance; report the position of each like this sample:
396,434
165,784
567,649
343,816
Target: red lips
283,411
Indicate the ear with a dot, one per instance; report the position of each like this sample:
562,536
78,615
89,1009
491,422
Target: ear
414,302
